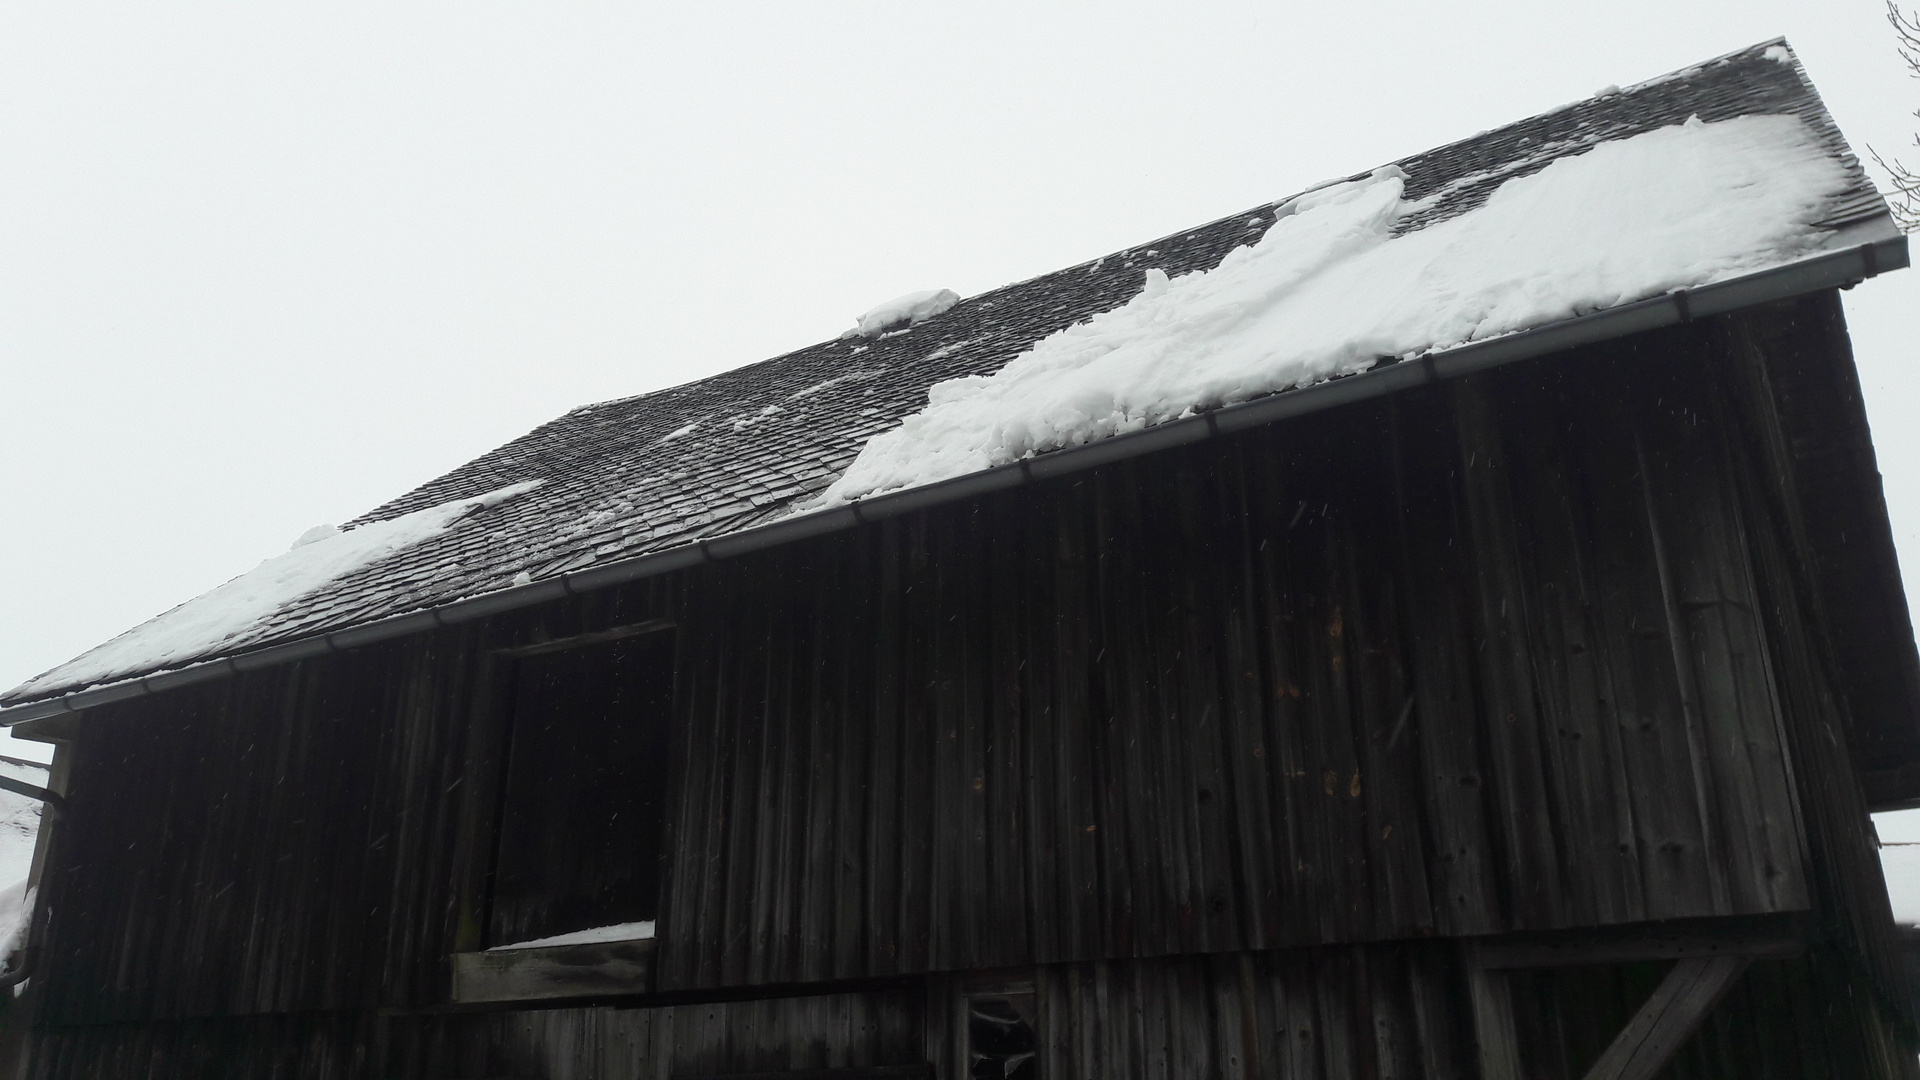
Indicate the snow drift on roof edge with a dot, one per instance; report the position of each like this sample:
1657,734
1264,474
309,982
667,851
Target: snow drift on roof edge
218,616
1330,291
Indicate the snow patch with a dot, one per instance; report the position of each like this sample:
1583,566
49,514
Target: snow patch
1329,290
945,351
16,912
1900,865
1779,54
828,384
747,420
19,819
679,433
626,931
217,617
909,310
314,535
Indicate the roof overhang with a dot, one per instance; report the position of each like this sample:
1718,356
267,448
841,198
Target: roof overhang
1855,253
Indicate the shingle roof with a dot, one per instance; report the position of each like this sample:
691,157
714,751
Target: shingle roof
658,471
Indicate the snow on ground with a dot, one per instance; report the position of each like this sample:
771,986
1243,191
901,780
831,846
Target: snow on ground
19,822
626,931
1329,290
908,310
16,903
213,618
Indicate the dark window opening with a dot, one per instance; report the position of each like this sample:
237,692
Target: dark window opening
584,798
1000,1036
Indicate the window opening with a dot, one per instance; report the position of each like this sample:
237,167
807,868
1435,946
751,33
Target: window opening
584,799
1000,1034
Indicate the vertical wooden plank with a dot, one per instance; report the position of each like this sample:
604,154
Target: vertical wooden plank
1641,690
886,868
1434,984
1283,614
1713,607
737,925
1535,893
1491,995
954,827
1205,547
845,603
1296,1023
826,781
1004,903
918,779
1444,720
1250,770
944,1039
1141,889
967,585
1687,686
1391,809
1078,652
1587,777
1047,832
769,816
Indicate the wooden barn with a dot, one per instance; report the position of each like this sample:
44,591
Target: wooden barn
1512,708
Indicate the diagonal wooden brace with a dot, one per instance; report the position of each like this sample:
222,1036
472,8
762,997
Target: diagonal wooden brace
1694,986
1709,955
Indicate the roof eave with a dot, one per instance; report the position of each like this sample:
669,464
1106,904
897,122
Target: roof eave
1861,250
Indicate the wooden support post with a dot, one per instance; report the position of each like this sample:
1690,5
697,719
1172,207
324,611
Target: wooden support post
1693,987
1491,991
1709,956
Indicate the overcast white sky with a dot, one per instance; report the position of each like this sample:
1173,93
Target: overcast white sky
268,265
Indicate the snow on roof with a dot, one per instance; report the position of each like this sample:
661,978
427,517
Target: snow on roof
617,487
909,310
1330,291
223,615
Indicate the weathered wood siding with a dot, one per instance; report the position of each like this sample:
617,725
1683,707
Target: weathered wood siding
1535,649
713,1038
1783,1020
1488,658
1338,1013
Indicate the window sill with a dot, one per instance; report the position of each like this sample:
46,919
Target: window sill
596,969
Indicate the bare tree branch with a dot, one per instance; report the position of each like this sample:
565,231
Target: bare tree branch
1904,197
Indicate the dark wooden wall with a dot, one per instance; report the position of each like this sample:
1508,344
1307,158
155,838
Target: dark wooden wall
1332,1013
1488,658
1536,649
711,1038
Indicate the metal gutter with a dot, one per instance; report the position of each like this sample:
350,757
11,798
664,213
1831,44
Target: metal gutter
1864,250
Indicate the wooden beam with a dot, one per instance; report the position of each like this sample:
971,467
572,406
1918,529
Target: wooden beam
1757,936
32,791
1710,954
1682,999
616,633
1491,993
59,728
845,1073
